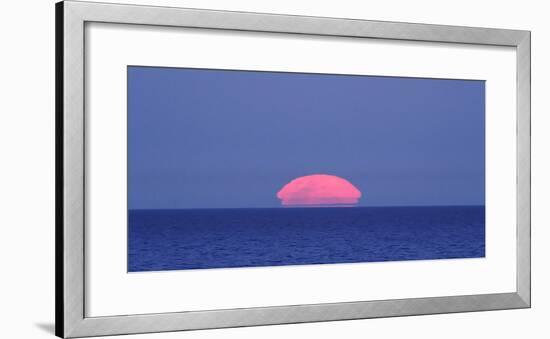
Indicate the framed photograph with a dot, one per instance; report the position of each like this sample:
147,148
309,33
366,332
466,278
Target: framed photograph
221,169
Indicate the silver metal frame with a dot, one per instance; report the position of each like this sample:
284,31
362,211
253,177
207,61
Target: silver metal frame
70,168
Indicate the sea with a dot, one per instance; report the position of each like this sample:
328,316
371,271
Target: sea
183,239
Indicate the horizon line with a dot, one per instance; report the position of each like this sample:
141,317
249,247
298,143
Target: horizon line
307,207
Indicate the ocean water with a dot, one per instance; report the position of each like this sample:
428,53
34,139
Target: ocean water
220,238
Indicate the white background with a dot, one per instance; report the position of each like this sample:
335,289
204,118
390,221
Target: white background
112,47
27,149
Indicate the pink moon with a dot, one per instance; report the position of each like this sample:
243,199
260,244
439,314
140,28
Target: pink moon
319,190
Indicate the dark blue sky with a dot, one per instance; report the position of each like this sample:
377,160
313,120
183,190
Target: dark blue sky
211,138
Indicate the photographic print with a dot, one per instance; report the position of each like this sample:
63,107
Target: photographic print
361,175
239,168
